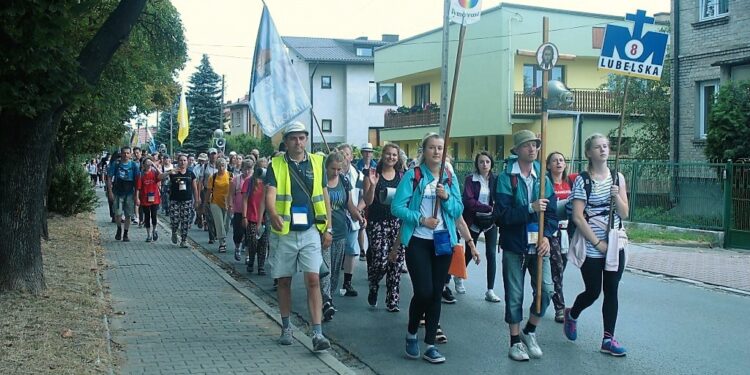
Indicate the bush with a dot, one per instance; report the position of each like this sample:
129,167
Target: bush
244,143
729,123
70,191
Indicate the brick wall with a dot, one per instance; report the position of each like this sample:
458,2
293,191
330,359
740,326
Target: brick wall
703,43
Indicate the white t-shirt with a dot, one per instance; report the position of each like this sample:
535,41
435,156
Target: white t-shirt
425,210
356,179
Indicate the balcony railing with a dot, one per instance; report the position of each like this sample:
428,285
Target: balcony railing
586,101
401,120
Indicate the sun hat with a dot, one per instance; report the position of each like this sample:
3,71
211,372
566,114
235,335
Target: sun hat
522,136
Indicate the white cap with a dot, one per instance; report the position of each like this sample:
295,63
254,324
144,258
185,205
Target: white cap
367,147
295,127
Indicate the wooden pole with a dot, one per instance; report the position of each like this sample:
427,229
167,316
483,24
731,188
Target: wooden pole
617,153
321,132
542,172
450,110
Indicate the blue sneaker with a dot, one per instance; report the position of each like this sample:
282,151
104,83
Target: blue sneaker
570,326
612,347
432,355
412,348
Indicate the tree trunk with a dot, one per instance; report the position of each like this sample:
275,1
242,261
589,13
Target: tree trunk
26,143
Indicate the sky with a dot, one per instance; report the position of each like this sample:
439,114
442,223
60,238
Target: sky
226,29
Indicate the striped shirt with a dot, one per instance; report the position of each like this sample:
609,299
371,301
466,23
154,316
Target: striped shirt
598,204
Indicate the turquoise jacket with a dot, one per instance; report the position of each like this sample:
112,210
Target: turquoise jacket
407,202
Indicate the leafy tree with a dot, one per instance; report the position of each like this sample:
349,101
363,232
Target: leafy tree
244,143
729,123
64,79
204,101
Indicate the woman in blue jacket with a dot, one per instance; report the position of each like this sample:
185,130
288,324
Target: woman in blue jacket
413,204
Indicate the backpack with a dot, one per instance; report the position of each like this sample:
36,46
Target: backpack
124,178
418,178
587,188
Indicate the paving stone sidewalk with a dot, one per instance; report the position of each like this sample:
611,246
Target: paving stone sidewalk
718,267
175,314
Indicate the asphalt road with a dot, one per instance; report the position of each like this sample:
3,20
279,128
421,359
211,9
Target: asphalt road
668,327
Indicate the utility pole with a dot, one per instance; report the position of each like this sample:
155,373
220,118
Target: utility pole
444,68
221,107
171,132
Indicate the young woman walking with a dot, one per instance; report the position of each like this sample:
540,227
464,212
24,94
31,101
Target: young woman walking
563,185
590,214
147,188
183,193
256,235
218,190
430,240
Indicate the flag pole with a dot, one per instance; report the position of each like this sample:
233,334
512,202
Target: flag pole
319,130
542,171
446,137
617,153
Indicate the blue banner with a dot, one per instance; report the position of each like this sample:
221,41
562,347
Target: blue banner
276,95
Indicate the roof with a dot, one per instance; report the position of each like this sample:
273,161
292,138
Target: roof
331,50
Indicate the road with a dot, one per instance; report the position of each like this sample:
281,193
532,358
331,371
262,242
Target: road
668,327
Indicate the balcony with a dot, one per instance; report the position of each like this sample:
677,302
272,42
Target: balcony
404,120
586,101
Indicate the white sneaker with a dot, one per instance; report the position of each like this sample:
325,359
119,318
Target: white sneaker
517,352
459,285
490,296
533,347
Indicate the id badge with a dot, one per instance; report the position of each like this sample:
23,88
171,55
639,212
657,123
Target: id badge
532,233
183,185
299,218
150,197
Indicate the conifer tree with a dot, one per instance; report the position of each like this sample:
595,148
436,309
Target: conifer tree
204,105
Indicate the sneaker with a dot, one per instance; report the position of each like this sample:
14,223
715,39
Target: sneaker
517,352
210,242
247,259
156,236
459,285
237,254
448,296
118,235
490,296
320,343
174,238
125,238
532,347
286,336
412,348
261,272
432,355
148,239
249,268
393,309
560,316
362,257
372,298
328,311
612,347
570,326
183,244
349,290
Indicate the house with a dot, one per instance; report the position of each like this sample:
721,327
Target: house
240,119
710,47
338,76
498,78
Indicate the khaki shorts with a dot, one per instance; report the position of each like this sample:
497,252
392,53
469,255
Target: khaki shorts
294,252
124,204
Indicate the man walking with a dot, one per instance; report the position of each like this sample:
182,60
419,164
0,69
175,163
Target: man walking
121,190
517,211
300,211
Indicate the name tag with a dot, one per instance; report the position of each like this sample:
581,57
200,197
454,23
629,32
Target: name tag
183,186
532,233
299,218
151,197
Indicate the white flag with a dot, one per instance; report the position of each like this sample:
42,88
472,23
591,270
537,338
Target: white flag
465,12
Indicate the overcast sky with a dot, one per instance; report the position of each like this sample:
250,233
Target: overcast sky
226,29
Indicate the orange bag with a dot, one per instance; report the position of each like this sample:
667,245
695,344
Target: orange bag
458,263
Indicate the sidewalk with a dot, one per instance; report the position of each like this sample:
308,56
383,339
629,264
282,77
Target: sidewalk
717,267
174,312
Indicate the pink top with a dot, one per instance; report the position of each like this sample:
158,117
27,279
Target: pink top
237,182
253,201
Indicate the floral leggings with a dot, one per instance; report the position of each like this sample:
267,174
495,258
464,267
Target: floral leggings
179,215
381,235
557,261
256,247
333,257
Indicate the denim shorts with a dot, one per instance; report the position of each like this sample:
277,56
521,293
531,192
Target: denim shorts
295,252
124,204
352,243
514,272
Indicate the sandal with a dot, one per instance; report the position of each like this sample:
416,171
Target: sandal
222,248
440,337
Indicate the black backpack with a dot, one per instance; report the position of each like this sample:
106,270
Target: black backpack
587,188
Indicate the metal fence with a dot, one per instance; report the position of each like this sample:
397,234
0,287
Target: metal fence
690,195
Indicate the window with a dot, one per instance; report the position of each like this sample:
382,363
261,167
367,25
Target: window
364,51
713,8
532,76
706,98
325,82
326,126
597,37
421,94
236,119
382,93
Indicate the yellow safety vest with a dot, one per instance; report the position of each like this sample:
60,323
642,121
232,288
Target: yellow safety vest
284,192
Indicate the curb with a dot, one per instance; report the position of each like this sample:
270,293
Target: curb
684,280
272,313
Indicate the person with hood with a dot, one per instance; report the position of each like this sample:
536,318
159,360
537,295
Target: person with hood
517,208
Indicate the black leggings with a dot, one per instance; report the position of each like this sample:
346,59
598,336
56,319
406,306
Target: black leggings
427,272
238,231
149,215
595,278
490,242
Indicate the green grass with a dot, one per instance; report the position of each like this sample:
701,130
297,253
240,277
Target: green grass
643,235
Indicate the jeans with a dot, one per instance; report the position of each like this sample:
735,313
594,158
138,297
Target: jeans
514,271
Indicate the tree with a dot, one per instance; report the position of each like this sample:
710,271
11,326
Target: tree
244,143
204,102
55,73
729,123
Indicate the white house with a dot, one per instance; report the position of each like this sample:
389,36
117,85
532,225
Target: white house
338,76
